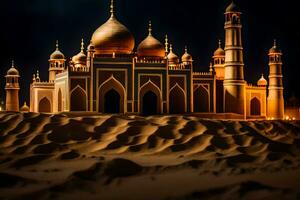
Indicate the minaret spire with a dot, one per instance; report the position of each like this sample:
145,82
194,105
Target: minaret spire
275,43
150,28
12,64
57,45
166,44
82,45
171,48
112,9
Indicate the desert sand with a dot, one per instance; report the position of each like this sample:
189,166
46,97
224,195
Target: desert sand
160,157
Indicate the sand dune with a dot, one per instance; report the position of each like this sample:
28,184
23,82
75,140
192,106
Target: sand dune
61,156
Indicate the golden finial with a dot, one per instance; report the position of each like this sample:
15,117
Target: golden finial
275,43
150,27
37,75
12,64
186,49
57,45
33,78
171,48
220,43
112,8
167,44
210,67
82,45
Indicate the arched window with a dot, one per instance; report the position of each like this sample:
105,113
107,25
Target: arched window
150,103
112,102
201,99
78,99
255,107
177,101
44,105
59,101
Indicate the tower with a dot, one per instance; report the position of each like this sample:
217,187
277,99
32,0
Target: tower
219,61
275,97
12,89
56,63
234,83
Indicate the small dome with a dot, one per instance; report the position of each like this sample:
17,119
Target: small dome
24,108
151,47
57,54
172,57
12,71
80,58
262,81
186,57
275,48
219,52
232,8
113,37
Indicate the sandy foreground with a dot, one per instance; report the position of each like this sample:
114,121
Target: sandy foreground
160,157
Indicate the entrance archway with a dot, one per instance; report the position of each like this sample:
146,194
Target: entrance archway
112,102
177,101
150,99
44,105
112,92
255,107
78,100
149,104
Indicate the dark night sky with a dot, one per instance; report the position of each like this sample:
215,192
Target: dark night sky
29,29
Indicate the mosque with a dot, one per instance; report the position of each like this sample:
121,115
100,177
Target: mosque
115,76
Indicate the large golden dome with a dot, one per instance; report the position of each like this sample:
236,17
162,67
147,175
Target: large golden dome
113,37
151,47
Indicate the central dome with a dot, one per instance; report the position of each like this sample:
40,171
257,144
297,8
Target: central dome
113,37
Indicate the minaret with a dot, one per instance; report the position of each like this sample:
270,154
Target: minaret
234,83
275,98
219,61
56,63
12,89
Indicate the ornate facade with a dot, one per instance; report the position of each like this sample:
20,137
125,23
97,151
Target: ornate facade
113,77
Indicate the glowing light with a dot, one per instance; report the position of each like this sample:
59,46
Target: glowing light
294,118
287,118
0,108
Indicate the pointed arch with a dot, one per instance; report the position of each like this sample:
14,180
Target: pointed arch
78,99
255,107
44,105
59,101
177,100
201,99
147,93
107,91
